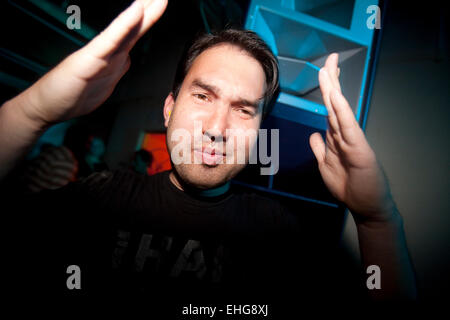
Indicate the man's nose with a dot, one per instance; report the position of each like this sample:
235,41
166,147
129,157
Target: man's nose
217,123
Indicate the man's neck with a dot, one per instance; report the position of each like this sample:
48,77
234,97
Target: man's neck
201,192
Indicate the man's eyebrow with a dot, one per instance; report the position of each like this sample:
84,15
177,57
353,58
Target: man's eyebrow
245,102
216,91
208,87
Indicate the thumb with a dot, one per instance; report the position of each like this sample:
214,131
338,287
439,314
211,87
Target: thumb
318,146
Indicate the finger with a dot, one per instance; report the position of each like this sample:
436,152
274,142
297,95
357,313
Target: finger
153,10
118,32
332,140
348,125
326,87
331,65
318,146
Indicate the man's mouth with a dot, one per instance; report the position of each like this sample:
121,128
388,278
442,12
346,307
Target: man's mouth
209,156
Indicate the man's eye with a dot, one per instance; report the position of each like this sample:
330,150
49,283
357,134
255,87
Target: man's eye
201,96
245,112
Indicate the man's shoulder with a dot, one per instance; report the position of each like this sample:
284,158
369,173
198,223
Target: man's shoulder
112,188
119,179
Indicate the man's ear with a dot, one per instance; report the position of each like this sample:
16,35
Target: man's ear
168,108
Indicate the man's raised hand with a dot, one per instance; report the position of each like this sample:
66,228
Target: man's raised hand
346,162
86,78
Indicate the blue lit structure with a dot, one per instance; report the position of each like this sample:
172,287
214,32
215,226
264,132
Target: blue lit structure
302,34
302,42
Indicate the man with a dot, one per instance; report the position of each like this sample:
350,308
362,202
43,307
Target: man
190,224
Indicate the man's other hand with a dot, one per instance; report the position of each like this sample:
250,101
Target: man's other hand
86,78
346,162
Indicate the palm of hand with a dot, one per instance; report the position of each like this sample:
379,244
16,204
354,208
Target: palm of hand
86,78
346,162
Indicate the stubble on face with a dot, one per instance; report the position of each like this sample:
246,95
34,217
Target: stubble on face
236,75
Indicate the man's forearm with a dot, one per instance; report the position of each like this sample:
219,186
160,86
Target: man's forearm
17,133
384,244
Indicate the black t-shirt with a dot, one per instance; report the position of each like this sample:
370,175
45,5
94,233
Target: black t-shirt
131,234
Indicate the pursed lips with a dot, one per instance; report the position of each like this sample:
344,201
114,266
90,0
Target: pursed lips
210,156
212,151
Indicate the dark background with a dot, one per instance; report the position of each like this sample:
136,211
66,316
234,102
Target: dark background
407,123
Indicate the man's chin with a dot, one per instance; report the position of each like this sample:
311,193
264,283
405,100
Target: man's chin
204,176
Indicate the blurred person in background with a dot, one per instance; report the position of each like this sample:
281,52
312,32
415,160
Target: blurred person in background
53,168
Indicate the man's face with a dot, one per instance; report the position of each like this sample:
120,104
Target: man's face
223,92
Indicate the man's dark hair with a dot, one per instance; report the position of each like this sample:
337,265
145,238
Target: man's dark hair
246,40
